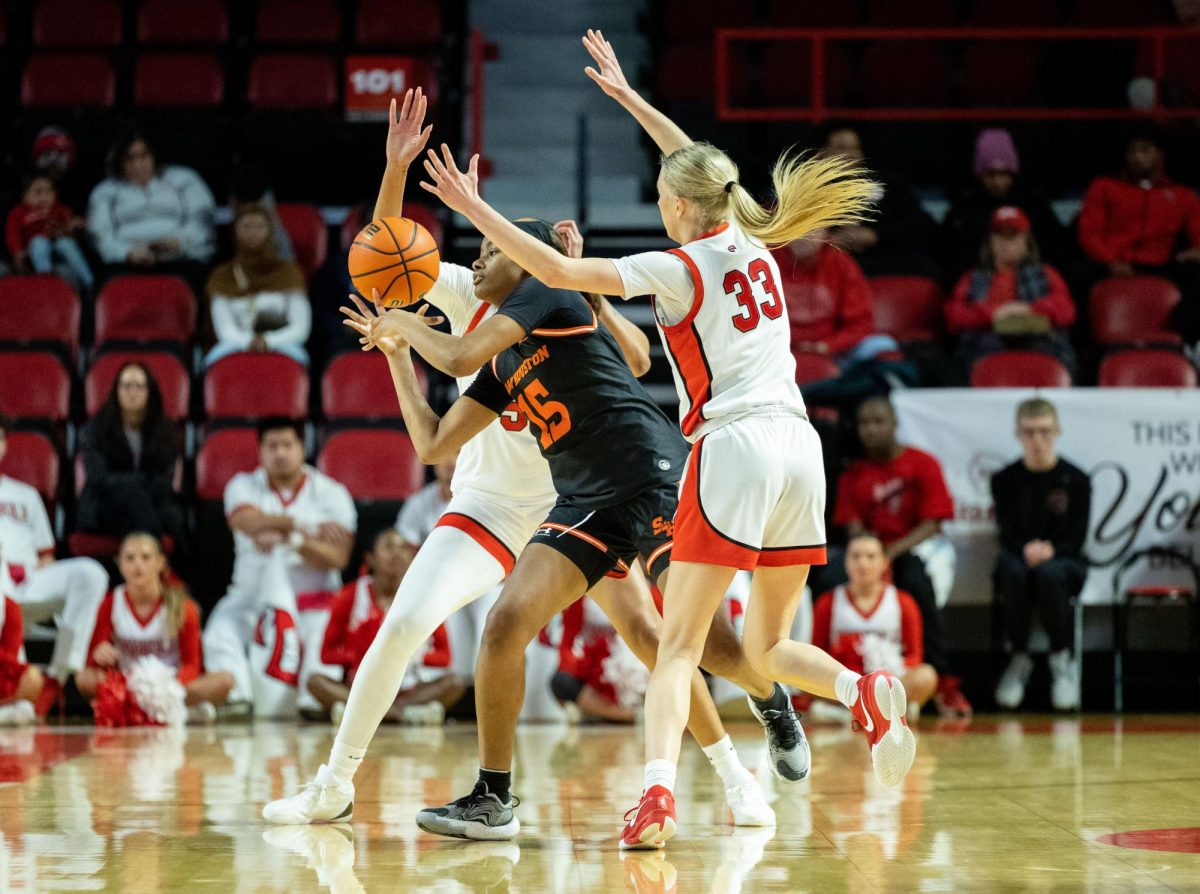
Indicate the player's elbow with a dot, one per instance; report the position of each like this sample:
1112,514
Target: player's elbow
436,451
639,362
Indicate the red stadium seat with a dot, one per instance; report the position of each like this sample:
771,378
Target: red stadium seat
924,14
373,464
357,385
293,82
179,80
223,454
56,319
1014,13
183,21
299,21
398,23
697,19
1147,368
1019,369
34,385
908,308
1001,73
308,232
253,385
1133,310
77,23
686,73
785,76
31,458
812,367
168,372
145,309
68,80
906,73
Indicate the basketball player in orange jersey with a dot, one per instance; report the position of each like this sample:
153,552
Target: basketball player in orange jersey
502,491
724,324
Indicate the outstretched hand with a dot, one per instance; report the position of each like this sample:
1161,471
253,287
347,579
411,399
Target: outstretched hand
406,138
458,190
384,331
610,77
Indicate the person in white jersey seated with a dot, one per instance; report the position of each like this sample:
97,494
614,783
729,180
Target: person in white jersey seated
293,531
69,591
869,625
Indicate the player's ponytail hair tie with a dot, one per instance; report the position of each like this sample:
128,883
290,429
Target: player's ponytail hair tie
729,185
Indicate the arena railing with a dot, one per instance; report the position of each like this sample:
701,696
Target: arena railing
819,38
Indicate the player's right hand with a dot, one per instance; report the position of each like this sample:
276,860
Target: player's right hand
610,77
405,138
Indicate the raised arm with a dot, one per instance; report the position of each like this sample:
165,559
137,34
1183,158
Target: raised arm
666,134
405,140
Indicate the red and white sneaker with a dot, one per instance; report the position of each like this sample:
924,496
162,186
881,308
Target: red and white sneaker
879,712
652,822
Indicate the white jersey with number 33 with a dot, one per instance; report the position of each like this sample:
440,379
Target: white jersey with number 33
723,321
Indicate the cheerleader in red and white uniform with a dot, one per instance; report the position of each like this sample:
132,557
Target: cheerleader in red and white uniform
151,615
20,683
429,687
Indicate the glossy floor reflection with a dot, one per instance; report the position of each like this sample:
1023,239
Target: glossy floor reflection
1014,804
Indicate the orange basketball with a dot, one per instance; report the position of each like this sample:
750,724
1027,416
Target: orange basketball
395,257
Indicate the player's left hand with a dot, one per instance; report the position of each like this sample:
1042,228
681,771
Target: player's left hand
458,190
406,138
568,231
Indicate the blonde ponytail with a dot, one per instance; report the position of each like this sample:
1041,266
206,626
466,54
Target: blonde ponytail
811,193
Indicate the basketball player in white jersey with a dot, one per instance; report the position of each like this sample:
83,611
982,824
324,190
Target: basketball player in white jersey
753,495
502,491
71,588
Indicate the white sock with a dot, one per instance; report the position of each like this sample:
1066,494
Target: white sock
846,687
660,772
724,758
17,712
344,761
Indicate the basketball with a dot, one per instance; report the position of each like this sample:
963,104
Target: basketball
395,257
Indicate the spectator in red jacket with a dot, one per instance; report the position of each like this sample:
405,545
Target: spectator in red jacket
899,494
1011,299
868,624
429,687
41,229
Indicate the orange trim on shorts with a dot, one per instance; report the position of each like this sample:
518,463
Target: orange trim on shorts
480,535
620,571
654,556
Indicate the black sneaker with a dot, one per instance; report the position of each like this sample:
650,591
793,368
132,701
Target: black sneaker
480,816
786,744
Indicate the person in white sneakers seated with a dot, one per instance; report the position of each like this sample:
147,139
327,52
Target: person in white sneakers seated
868,625
429,687
69,590
293,530
1042,508
20,682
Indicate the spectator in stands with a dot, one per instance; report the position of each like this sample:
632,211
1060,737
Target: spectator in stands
258,301
1042,508
899,494
130,450
1134,223
151,614
869,625
420,512
293,531
598,677
151,219
250,188
70,589
898,239
429,686
53,154
1011,299
20,682
997,184
42,230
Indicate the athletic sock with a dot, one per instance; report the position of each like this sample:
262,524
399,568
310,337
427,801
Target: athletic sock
498,782
724,758
659,772
344,761
846,687
776,701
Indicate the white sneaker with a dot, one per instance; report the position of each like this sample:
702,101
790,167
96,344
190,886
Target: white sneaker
748,805
1064,681
1010,691
18,713
336,713
428,714
324,800
202,714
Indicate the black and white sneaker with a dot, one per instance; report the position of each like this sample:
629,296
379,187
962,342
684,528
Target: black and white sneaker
786,743
479,816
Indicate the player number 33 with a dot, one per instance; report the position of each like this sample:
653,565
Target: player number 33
738,284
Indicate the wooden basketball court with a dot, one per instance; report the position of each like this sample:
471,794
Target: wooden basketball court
1030,803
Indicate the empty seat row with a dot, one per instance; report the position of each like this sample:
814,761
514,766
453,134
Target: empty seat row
100,23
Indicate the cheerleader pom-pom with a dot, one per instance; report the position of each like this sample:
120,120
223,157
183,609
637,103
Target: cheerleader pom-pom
879,653
109,703
626,674
157,692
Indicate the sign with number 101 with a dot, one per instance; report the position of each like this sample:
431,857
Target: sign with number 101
372,81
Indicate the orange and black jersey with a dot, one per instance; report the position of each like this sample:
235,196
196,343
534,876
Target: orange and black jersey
605,439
